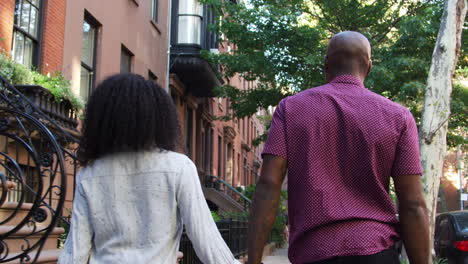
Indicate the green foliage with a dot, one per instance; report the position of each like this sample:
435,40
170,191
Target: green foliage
277,234
281,44
66,226
458,126
59,87
392,191
215,216
242,216
16,73
250,191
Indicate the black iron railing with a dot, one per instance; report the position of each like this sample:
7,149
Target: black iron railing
61,112
35,152
220,185
234,234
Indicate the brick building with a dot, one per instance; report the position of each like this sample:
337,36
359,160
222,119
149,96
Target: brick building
33,31
86,42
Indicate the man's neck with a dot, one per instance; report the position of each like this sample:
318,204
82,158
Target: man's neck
331,77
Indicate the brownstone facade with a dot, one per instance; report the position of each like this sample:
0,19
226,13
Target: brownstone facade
53,30
221,148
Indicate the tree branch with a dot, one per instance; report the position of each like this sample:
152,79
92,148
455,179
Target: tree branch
428,137
392,25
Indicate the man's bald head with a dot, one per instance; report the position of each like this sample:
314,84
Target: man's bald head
348,52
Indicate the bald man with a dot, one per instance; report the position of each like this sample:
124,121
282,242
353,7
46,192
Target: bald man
340,144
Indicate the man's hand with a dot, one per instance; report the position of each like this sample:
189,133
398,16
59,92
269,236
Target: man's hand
414,220
265,205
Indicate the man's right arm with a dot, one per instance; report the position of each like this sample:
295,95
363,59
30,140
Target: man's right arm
413,218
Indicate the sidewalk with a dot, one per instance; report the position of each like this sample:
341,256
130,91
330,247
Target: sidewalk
280,256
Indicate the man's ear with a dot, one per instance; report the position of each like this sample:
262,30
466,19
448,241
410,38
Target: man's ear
369,68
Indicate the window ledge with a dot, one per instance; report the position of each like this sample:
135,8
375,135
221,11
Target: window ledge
155,25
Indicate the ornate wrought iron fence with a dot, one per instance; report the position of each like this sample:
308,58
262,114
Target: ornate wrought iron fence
234,234
35,151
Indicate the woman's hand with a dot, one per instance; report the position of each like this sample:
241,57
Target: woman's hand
180,256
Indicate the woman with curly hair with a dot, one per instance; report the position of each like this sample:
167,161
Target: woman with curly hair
135,194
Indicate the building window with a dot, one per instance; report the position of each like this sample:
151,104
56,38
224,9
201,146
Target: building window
152,76
190,21
126,57
252,133
246,170
220,157
207,149
26,32
154,10
88,55
245,127
229,164
239,170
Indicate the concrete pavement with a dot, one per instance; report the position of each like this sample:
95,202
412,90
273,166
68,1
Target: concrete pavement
280,256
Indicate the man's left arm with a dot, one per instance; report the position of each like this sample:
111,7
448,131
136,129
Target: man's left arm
268,191
265,205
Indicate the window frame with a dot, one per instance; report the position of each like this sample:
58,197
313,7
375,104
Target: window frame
202,24
155,10
152,77
93,22
37,41
130,54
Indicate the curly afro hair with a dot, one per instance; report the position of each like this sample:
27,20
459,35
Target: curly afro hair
128,113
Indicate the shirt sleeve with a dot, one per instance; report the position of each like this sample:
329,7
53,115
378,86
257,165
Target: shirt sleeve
79,241
276,142
407,157
199,224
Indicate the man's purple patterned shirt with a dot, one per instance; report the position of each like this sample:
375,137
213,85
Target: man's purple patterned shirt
342,143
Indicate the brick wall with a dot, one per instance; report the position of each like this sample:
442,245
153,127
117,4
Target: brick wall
7,9
53,36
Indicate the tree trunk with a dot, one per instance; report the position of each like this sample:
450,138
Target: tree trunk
433,132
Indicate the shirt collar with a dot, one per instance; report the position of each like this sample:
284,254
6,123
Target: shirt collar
348,79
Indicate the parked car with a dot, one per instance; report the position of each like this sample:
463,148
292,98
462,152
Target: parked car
451,237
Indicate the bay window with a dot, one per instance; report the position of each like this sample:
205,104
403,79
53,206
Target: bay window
190,22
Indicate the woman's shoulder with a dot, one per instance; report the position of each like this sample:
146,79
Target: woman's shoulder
168,156
130,163
171,159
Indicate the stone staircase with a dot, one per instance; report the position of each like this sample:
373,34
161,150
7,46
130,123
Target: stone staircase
225,196
224,202
29,234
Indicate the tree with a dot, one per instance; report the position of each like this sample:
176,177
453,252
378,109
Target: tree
436,112
282,43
